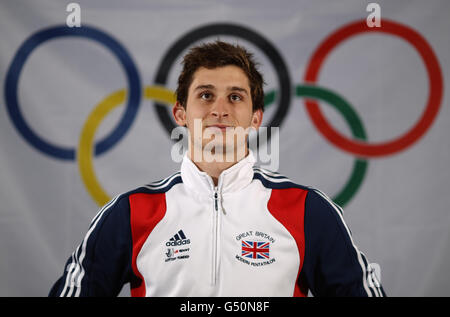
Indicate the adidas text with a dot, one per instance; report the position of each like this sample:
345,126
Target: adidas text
177,243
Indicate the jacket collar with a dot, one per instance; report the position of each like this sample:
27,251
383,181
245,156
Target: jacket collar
232,179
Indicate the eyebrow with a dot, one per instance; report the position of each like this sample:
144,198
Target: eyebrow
200,87
232,88
240,89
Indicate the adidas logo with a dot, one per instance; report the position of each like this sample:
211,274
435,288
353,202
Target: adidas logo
178,239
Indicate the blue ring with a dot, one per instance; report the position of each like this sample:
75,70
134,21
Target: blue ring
12,78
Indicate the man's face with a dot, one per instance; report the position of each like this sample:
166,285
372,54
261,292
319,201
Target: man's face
219,103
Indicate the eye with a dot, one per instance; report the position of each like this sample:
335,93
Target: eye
206,95
235,97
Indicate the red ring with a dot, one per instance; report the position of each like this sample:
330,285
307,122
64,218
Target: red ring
361,148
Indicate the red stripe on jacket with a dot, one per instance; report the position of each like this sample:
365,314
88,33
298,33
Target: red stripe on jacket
288,207
146,211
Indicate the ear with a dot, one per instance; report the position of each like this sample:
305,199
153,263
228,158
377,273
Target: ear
257,118
179,114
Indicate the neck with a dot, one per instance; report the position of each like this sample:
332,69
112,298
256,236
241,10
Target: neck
214,168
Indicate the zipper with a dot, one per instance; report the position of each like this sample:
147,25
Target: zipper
216,231
215,238
215,200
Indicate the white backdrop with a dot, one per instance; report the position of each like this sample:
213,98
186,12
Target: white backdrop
399,215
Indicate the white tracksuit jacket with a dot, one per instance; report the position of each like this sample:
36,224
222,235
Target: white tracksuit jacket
256,234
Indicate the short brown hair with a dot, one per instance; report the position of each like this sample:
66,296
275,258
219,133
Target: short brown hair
219,54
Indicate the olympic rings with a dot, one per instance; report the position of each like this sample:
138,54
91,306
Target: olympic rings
434,99
13,74
258,40
86,149
84,153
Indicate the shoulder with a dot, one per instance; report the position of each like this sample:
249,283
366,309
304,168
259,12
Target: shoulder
158,187
120,204
275,180
315,200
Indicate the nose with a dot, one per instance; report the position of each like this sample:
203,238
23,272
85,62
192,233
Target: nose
220,108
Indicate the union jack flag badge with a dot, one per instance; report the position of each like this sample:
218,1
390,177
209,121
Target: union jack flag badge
255,249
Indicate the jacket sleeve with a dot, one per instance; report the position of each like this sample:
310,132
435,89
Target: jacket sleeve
101,264
333,265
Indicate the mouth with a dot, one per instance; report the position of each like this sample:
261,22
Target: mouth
222,127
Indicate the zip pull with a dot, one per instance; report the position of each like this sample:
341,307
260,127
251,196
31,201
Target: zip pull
216,198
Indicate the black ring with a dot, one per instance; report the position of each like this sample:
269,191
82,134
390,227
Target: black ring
226,29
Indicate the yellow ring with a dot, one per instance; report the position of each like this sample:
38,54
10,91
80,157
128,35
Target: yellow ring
85,152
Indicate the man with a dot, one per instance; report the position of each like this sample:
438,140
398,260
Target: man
221,226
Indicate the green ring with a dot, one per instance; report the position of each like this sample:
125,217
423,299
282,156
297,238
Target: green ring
353,120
